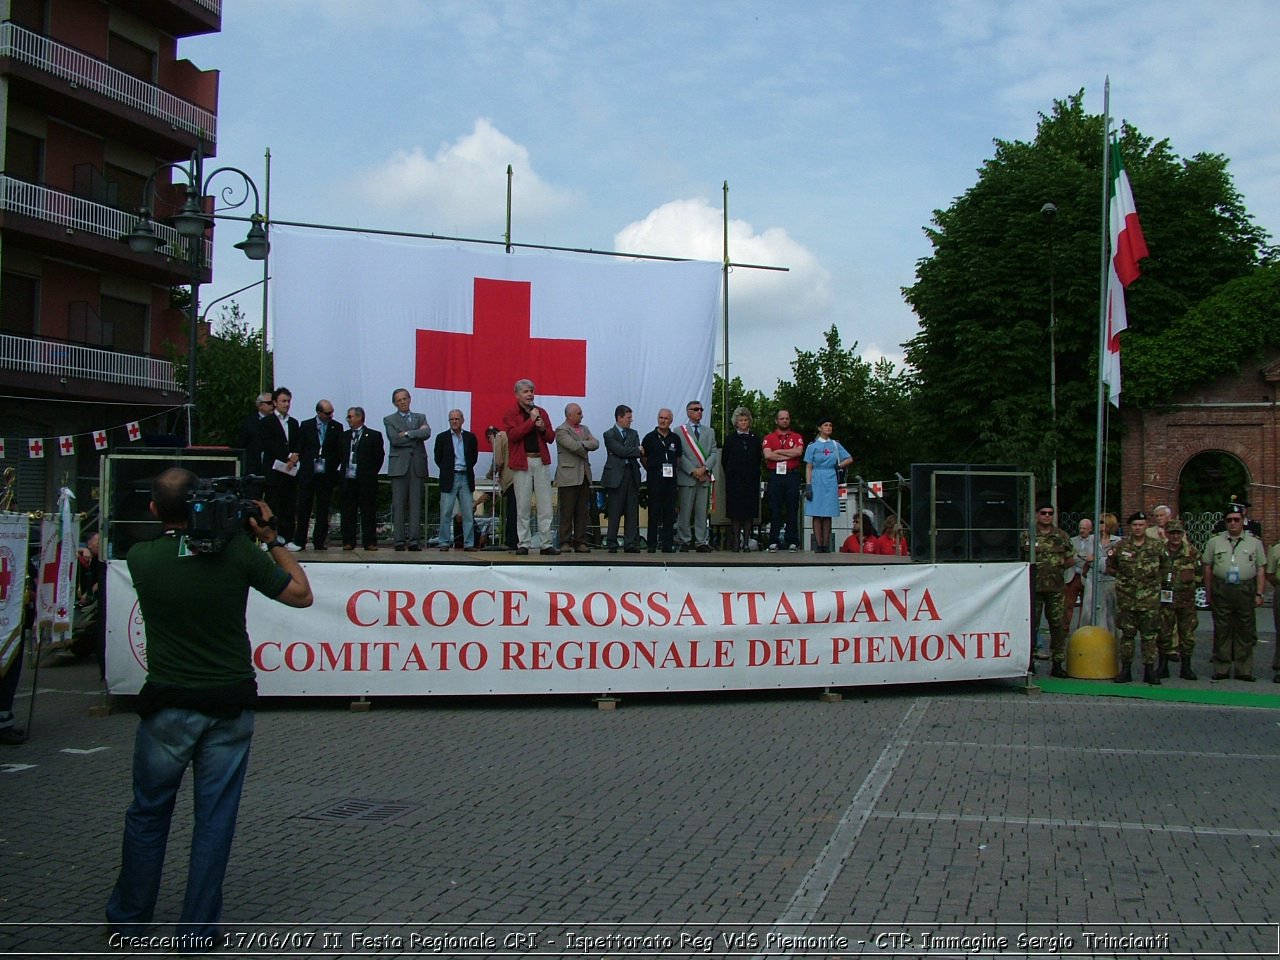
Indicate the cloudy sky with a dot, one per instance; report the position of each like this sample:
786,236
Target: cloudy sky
840,125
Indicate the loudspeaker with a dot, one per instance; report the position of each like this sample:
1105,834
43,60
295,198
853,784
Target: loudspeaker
978,517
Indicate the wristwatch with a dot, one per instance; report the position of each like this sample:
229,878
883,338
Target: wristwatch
279,541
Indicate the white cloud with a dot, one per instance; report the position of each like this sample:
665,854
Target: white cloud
769,311
463,186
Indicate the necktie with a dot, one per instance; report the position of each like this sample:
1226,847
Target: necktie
697,435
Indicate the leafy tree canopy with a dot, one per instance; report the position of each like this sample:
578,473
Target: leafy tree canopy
982,359
227,362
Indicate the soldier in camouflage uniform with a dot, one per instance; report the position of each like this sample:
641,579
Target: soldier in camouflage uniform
1140,566
1178,618
1054,555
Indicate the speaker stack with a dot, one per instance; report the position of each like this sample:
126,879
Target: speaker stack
979,518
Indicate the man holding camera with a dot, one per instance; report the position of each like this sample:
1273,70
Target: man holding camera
197,706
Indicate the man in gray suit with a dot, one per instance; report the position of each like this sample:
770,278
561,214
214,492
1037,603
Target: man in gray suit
622,479
573,478
699,461
407,467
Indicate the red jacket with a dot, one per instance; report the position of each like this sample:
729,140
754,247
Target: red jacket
518,425
857,544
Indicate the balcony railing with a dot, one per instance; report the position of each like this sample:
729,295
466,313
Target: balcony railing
80,69
214,6
57,359
75,213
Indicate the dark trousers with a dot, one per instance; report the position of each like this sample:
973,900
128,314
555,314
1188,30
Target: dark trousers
662,514
314,492
784,502
358,501
1235,629
624,501
281,495
574,517
509,536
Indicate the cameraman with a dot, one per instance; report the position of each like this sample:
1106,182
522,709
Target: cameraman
196,707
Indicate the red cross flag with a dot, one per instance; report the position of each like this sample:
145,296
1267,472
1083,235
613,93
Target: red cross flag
1,448
35,448
99,439
13,565
876,488
55,592
134,431
357,317
67,445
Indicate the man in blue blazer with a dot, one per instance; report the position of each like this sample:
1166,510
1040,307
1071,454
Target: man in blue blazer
621,478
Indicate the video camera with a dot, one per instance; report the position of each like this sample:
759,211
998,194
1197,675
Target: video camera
219,508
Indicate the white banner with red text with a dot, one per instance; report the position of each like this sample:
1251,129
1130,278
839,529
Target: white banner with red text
419,629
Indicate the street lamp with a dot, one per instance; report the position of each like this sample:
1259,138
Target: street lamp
191,223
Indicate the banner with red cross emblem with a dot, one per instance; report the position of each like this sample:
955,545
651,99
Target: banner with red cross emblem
13,579
54,594
357,317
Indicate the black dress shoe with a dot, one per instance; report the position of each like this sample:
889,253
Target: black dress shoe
416,548
653,549
319,546
13,736
615,550
522,551
1221,676
703,548
631,550
550,551
400,546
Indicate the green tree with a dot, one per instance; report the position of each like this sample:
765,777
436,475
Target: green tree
982,296
739,396
227,362
870,405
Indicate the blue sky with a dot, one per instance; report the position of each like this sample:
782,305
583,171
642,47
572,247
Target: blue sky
839,126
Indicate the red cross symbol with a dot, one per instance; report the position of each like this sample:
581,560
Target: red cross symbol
100,440
68,446
36,448
6,577
498,352
876,488
49,573
133,431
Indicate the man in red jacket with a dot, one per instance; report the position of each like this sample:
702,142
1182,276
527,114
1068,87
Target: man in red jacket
529,436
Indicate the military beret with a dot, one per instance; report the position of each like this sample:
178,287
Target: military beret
1044,505
1138,515
1174,526
824,419
1233,508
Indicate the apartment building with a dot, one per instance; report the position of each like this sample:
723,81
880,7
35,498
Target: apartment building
94,98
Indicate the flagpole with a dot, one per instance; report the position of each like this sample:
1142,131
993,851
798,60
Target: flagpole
724,388
1098,559
266,276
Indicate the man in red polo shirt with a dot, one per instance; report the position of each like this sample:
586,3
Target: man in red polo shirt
529,436
783,450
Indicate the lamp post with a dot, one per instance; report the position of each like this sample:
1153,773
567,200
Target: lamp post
1049,213
191,223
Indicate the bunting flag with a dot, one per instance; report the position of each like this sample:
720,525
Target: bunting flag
55,592
1,448
13,581
134,431
99,439
1127,247
67,445
35,448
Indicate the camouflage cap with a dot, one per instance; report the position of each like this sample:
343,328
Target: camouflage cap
1175,526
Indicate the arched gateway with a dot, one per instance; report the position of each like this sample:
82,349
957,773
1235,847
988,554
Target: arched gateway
1214,430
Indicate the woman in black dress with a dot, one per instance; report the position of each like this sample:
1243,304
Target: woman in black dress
740,460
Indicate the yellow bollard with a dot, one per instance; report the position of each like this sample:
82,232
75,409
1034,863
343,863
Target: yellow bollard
1092,655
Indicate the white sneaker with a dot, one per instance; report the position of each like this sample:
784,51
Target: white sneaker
773,548
793,548
293,547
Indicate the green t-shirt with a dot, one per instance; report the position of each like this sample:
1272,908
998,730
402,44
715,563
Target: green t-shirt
193,609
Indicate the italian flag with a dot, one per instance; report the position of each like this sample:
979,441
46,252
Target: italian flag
1127,248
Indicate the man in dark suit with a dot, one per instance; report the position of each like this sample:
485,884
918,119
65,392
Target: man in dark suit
456,454
319,459
622,479
249,439
407,433
278,434
361,458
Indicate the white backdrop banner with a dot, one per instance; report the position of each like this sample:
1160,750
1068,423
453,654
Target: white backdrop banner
411,629
358,316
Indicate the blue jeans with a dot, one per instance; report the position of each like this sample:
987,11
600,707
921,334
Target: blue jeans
166,743
461,495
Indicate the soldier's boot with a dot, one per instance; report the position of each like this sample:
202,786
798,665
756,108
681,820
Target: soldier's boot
1126,672
1186,672
1162,668
1058,670
1150,674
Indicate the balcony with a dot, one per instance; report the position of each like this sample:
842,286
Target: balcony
180,18
54,358
77,215
83,72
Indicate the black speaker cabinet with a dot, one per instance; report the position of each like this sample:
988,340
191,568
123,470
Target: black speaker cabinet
978,517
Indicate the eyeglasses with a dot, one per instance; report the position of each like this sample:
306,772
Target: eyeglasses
1045,513
695,409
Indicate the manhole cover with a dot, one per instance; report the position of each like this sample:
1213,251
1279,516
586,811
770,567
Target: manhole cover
360,811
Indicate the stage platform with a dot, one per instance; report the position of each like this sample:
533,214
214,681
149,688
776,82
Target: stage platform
599,556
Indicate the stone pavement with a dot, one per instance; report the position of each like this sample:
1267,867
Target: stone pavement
761,816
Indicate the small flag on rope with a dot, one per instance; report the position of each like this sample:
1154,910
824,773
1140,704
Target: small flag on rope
876,488
1,448
99,439
134,431
67,445
35,448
